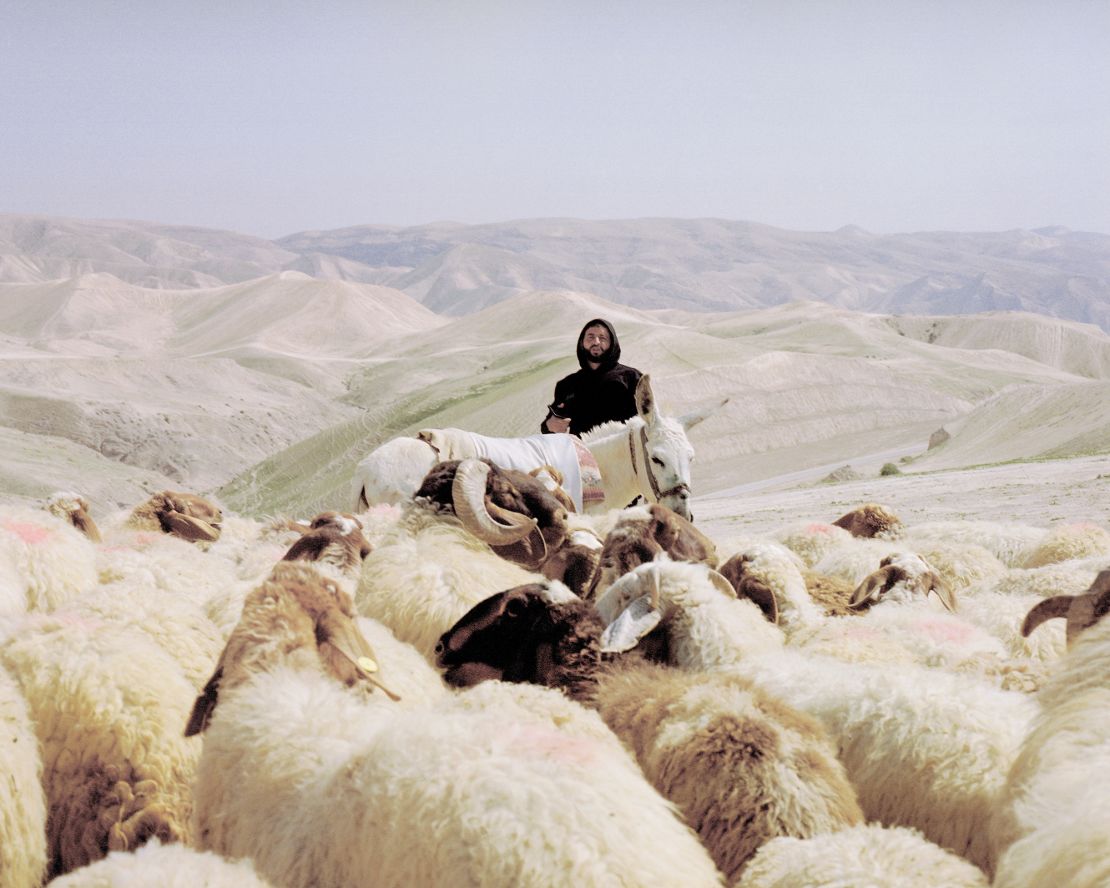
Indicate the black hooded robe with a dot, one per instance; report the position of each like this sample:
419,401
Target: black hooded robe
591,397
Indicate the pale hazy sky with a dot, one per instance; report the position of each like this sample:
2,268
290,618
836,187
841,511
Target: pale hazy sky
269,117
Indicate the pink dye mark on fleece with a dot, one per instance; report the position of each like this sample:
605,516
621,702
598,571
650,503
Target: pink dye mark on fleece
31,534
947,630
819,529
555,745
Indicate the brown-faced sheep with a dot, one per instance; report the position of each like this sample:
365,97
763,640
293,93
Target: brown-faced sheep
642,533
870,520
185,515
296,617
74,508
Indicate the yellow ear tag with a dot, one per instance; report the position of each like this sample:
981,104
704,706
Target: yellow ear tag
367,665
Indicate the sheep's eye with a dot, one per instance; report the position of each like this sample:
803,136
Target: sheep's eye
657,461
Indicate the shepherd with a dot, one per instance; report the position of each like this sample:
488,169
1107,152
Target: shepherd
603,390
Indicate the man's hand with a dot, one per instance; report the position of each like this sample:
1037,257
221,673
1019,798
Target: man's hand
554,424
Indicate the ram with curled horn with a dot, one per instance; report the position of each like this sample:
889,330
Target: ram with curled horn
509,510
1080,611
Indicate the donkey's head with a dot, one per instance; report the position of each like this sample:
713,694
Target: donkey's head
663,454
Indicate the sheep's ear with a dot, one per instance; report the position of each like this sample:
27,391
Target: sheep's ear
645,400
944,591
346,653
205,704
872,588
1048,609
630,625
761,595
190,528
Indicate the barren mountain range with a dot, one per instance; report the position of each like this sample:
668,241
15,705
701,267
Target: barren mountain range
700,264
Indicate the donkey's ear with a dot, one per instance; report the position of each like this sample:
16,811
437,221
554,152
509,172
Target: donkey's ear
691,419
645,400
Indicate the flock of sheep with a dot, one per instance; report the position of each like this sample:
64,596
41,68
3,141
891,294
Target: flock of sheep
483,687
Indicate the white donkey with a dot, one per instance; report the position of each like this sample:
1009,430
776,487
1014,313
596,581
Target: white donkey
647,455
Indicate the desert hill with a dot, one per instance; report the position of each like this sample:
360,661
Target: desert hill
781,390
266,392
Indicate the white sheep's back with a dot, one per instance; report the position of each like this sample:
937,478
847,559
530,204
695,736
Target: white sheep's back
380,795
924,748
1068,542
109,706
162,563
421,579
813,540
402,668
54,562
862,855
1067,746
22,802
1007,542
167,866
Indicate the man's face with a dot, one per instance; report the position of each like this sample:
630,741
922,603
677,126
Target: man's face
596,341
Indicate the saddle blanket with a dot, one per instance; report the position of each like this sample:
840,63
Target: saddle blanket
581,476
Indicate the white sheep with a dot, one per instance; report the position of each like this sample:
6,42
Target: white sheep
1068,746
812,540
425,572
740,766
1008,542
108,708
1068,542
53,561
923,747
871,855
22,802
903,626
324,785
167,866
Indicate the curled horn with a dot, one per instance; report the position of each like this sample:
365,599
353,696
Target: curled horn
1080,611
468,491
1048,609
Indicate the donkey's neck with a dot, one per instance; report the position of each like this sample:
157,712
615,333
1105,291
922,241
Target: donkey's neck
619,476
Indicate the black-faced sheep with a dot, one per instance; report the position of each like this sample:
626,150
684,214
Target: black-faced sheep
740,766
